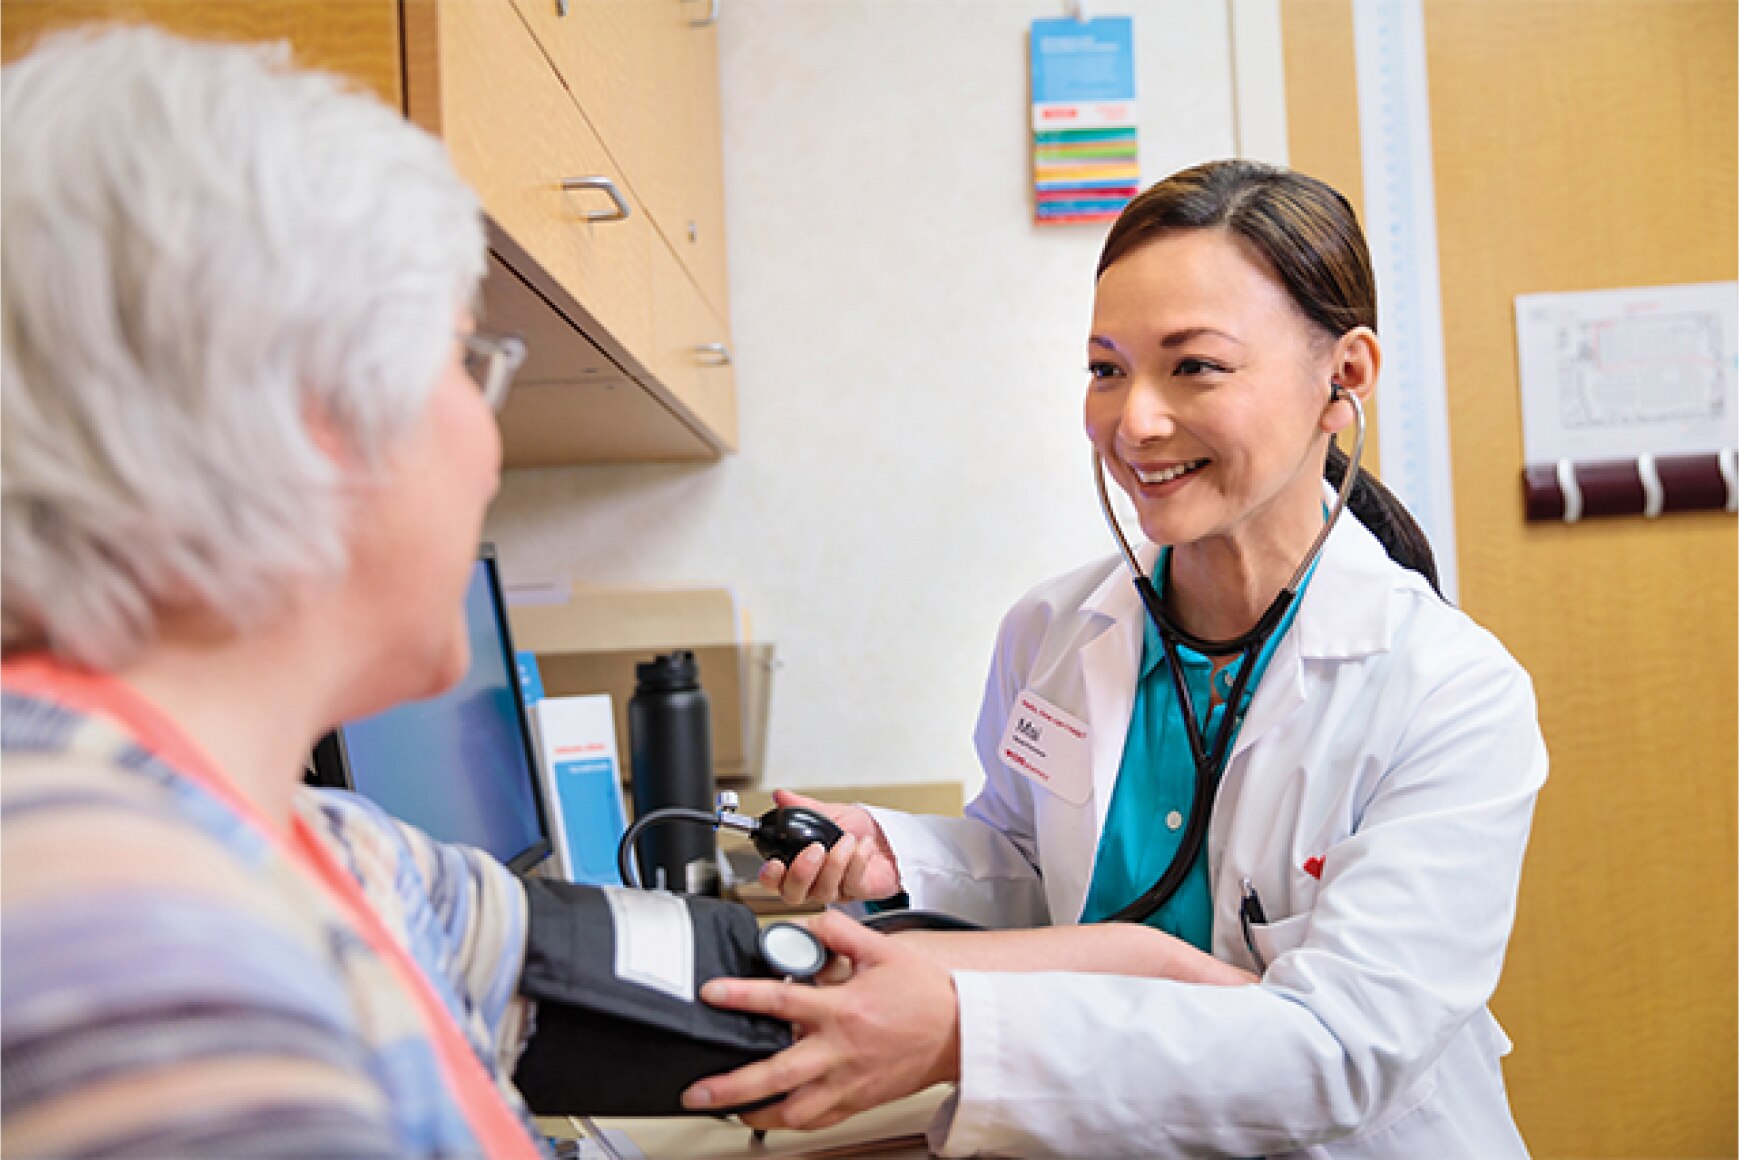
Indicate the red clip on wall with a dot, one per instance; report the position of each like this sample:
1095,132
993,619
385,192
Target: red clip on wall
1645,486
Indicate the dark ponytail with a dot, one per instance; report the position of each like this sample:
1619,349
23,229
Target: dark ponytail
1388,519
1310,238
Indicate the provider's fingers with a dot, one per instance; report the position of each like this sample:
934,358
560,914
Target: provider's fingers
815,1105
772,874
786,799
811,1107
800,876
801,1063
839,969
777,1116
851,886
775,997
826,888
885,1033
773,1117
846,936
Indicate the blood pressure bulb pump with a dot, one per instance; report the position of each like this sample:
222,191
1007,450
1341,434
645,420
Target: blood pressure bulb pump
781,832
670,739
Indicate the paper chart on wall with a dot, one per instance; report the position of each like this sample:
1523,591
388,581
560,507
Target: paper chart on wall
1616,374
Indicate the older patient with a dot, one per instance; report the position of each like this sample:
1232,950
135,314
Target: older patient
245,471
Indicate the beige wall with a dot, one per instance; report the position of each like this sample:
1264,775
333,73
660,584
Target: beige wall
1580,145
910,368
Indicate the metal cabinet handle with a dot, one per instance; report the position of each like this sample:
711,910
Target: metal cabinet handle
621,211
712,16
720,352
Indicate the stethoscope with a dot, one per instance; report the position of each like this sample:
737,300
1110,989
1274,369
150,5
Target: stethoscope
1210,762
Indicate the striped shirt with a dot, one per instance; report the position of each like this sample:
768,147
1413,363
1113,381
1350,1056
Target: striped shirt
171,985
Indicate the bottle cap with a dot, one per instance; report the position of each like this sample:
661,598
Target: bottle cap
674,672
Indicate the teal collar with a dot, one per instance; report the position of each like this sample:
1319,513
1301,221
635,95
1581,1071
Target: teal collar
1152,653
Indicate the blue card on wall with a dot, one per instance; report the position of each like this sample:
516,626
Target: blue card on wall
1085,166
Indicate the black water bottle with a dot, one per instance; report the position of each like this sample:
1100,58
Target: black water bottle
670,738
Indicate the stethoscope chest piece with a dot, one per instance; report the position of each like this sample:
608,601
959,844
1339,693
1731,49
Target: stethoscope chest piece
792,951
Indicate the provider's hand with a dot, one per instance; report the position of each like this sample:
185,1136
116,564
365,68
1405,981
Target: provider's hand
891,1030
859,868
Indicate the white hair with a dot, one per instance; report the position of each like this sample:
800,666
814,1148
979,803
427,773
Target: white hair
200,249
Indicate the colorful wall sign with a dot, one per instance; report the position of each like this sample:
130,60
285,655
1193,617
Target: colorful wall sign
1084,119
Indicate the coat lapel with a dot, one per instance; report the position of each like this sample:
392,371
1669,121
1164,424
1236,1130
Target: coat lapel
1109,664
1335,621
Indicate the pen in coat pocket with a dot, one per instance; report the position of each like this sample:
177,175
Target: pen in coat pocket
1251,914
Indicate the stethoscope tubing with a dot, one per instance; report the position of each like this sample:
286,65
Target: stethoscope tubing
1210,763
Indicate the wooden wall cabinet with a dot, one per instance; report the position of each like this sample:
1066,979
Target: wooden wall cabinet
590,130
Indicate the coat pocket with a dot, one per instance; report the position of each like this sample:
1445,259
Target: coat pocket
1274,939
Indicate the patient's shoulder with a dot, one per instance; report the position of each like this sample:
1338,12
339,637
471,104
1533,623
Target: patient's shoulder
119,874
163,984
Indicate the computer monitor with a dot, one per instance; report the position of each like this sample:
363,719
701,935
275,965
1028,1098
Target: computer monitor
459,766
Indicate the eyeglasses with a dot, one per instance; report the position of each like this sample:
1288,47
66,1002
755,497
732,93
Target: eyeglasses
491,361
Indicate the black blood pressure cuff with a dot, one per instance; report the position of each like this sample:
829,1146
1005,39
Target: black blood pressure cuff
616,974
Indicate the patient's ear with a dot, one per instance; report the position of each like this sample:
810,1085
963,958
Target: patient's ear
326,435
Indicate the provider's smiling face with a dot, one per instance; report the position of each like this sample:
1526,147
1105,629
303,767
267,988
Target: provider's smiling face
1208,387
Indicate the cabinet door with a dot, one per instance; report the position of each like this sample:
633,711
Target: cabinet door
472,72
646,79
693,348
569,403
358,38
681,171
478,78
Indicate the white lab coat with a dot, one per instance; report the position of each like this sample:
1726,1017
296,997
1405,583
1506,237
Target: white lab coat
1391,737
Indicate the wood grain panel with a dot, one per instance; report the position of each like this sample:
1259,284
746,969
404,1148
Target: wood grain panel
602,51
570,402
1322,119
1584,145
553,424
358,38
647,81
681,173
478,78
682,324
1322,93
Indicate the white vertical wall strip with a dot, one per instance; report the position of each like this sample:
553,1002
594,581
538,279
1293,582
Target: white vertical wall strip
1401,224
1258,80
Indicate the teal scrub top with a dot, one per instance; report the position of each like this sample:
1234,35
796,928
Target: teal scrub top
1150,806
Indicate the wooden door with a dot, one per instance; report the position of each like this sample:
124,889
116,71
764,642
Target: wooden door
359,38
1581,144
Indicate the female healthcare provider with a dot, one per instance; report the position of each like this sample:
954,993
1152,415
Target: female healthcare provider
1370,802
